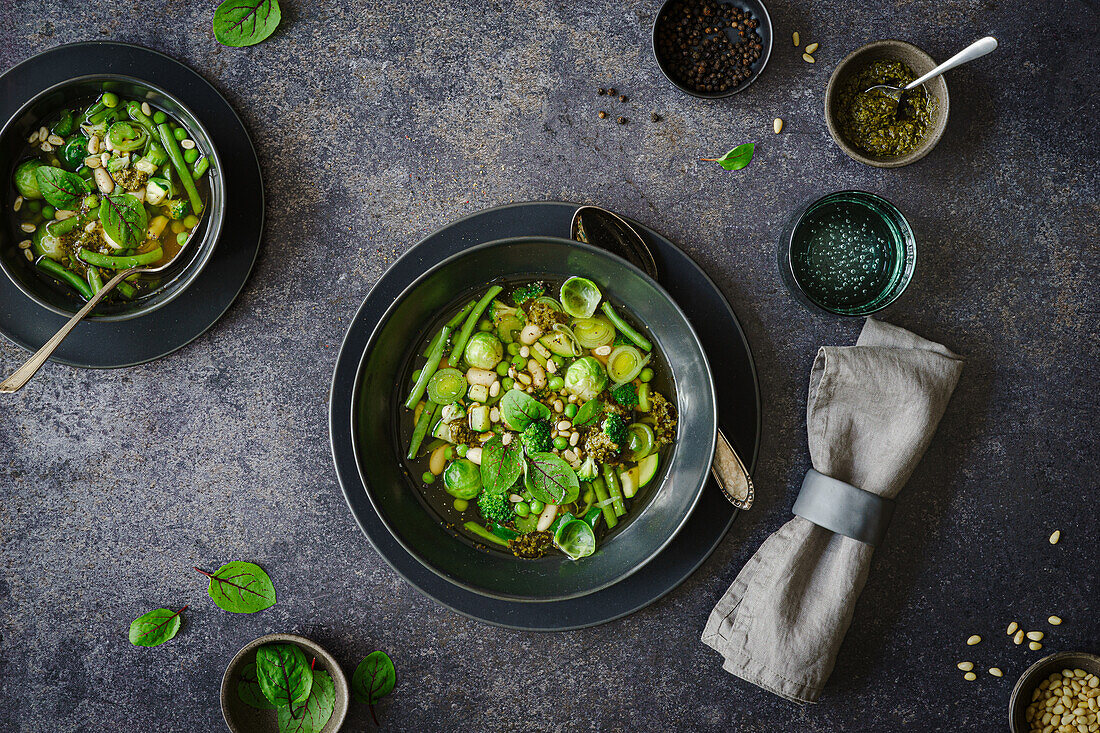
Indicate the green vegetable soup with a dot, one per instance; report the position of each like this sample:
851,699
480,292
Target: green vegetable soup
536,417
103,186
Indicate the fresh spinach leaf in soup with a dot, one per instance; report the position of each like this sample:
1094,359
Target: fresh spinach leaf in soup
588,413
284,674
248,689
501,465
518,409
61,189
245,22
124,218
550,479
155,627
313,715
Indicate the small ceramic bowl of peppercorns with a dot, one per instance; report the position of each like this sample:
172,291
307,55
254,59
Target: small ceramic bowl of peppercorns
712,48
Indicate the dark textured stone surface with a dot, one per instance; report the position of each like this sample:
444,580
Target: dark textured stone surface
377,123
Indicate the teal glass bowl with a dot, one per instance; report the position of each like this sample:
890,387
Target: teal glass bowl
849,253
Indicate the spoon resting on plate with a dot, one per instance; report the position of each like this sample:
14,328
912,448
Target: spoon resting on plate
607,230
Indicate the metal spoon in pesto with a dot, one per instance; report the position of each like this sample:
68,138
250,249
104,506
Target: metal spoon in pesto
607,230
975,50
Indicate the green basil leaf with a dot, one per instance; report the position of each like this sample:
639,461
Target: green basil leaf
519,409
550,479
61,189
241,587
284,674
735,159
374,678
501,465
155,627
248,689
123,218
588,413
313,715
245,22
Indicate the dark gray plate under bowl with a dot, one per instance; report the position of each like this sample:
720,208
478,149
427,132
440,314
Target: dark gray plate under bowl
655,516
119,343
738,415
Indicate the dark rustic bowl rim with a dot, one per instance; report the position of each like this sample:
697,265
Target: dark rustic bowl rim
899,161
1021,692
215,216
765,21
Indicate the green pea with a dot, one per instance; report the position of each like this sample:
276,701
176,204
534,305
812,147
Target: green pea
571,411
190,221
502,368
561,443
181,238
522,510
180,134
589,496
48,211
159,117
536,506
461,450
91,200
109,99
428,477
34,206
461,505
519,362
507,383
646,375
190,156
513,348
485,325
556,383
449,453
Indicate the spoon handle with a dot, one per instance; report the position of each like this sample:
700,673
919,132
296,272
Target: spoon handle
977,49
729,471
23,374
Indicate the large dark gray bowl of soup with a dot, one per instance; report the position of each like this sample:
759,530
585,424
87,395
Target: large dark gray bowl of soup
381,430
167,285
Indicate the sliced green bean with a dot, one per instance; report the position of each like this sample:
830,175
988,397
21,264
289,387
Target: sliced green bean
45,263
471,323
453,324
121,263
427,417
200,167
172,146
614,490
600,488
134,110
625,328
485,534
95,280
57,228
428,369
126,289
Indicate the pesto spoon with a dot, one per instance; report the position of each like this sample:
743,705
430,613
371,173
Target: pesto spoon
975,50
606,230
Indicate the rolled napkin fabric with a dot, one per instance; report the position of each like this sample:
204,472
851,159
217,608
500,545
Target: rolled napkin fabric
871,413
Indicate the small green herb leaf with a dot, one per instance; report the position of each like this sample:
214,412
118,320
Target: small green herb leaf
123,218
501,465
240,587
518,409
735,159
284,674
588,413
374,678
155,627
248,689
245,22
62,189
550,479
313,715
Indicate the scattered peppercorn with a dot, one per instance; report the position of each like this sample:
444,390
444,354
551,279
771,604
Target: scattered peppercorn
655,117
601,114
707,45
611,91
601,91
621,120
622,97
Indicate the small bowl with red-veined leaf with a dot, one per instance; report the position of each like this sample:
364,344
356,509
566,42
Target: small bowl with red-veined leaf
245,699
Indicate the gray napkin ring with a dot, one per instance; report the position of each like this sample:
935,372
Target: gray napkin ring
843,508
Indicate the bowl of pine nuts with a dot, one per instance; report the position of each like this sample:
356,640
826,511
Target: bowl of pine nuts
1058,693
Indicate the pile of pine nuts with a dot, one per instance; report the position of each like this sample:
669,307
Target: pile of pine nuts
1065,702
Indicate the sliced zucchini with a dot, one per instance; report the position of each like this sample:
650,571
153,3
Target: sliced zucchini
647,469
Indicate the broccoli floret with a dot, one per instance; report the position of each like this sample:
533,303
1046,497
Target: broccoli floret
495,508
498,311
664,415
598,447
589,470
526,292
626,395
545,316
615,428
536,437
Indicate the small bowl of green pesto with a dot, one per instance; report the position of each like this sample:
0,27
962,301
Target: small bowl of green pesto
870,126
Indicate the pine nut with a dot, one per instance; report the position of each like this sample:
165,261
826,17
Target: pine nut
93,161
1018,638
515,498
18,203
1055,537
574,438
975,639
494,388
43,133
996,672
494,415
524,351
63,214
794,37
506,439
558,406
55,140
777,125
551,366
525,379
807,58
33,138
46,147
810,48
1012,628
564,425
30,257
970,676
965,666
146,109
27,227
1054,620
1035,635
1034,646
25,244
474,455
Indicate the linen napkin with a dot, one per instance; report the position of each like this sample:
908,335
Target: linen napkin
871,413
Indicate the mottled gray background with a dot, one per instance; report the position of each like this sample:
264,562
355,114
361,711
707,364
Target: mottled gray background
377,123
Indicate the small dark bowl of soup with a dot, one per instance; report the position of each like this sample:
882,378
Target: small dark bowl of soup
92,187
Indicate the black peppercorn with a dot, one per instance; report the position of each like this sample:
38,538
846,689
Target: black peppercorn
621,120
622,97
601,114
611,91
601,90
655,117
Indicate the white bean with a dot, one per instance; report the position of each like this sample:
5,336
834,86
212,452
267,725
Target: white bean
530,334
474,455
480,376
547,517
538,374
103,180
438,460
